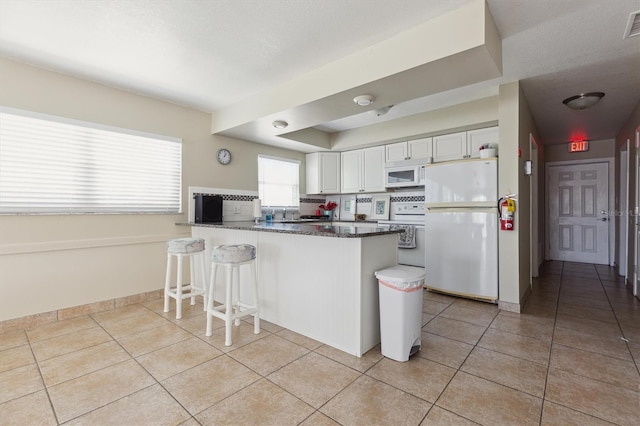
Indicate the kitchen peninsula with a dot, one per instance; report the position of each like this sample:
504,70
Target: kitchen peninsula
315,279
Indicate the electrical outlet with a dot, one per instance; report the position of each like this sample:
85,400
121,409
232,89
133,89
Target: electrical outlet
236,210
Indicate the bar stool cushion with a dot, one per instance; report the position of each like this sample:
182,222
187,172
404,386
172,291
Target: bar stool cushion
185,245
233,253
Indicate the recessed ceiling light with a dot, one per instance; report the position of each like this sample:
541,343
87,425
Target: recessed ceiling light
279,124
583,100
363,100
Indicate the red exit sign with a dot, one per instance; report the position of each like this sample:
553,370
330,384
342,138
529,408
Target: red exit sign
578,146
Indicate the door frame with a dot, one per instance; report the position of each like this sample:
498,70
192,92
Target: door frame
636,219
622,219
611,163
534,223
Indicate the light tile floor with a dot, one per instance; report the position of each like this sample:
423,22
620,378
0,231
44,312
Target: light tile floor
563,361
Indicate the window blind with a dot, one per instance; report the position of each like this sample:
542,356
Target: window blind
278,182
56,165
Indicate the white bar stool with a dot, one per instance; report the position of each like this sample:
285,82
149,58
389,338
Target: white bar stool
232,257
191,248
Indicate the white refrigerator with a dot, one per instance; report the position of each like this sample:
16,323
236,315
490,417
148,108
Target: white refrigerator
461,228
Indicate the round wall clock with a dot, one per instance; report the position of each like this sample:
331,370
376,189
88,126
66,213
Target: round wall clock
223,156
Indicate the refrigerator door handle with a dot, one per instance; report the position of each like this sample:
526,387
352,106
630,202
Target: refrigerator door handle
432,210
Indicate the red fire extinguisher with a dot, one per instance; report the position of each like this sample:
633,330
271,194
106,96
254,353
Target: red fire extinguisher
507,208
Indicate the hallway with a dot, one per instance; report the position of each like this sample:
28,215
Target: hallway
562,361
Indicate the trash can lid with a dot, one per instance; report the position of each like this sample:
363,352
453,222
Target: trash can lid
401,273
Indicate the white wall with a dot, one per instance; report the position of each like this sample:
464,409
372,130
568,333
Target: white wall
50,262
604,148
516,123
457,118
628,132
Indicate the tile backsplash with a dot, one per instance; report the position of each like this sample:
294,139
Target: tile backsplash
238,204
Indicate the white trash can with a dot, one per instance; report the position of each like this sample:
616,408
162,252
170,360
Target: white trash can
400,289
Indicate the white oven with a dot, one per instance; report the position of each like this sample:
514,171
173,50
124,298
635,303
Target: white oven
409,213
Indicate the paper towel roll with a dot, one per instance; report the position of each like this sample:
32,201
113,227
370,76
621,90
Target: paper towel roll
257,207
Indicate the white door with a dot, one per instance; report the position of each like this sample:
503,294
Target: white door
578,203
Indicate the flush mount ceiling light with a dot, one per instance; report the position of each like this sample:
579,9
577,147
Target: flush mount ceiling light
584,100
279,124
363,100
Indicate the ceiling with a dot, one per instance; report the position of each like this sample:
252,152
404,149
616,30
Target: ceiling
221,56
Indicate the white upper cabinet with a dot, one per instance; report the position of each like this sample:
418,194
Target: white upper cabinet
351,166
323,173
420,148
396,152
457,146
363,170
477,138
373,172
412,150
450,147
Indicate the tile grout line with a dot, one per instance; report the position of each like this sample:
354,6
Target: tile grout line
549,367
553,333
44,384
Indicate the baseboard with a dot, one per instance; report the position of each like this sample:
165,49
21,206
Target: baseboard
30,321
509,306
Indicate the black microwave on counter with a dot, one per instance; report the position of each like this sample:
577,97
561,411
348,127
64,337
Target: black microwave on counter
208,208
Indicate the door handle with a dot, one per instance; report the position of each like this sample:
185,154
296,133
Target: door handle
603,219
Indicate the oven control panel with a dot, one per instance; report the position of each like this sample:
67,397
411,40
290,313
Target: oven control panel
408,212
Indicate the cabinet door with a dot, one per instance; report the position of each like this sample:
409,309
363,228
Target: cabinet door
450,147
420,148
313,173
477,138
373,176
329,173
396,152
350,166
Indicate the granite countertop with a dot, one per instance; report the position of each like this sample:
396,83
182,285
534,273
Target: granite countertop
321,229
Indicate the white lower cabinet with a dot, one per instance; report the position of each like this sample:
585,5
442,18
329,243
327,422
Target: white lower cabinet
323,288
362,170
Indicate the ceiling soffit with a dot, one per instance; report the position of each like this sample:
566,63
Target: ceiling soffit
457,49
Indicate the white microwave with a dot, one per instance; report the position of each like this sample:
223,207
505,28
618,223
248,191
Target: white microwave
399,176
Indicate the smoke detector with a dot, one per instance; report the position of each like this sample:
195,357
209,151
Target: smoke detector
363,100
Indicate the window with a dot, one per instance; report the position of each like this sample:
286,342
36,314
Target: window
278,182
57,165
